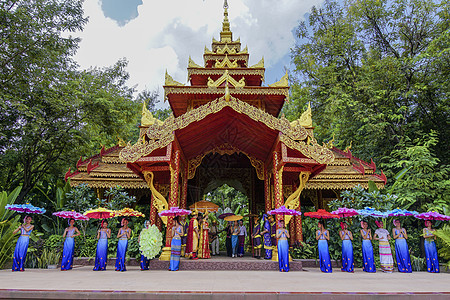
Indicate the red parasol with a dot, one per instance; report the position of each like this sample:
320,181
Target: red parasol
320,214
174,211
344,212
100,213
128,212
71,215
282,210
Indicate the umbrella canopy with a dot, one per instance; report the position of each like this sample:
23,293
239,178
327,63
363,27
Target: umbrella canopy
251,215
432,216
128,212
71,215
344,212
100,213
233,218
224,215
203,206
282,210
174,211
25,208
321,214
401,212
372,212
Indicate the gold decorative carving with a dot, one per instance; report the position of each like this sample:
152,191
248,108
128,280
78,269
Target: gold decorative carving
207,51
170,82
329,144
147,118
193,165
245,51
161,135
226,63
293,201
283,82
259,65
226,78
340,185
159,201
189,90
235,72
192,64
305,119
226,49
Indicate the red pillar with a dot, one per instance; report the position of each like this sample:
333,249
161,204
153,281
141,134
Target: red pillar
173,197
153,211
184,191
268,204
278,183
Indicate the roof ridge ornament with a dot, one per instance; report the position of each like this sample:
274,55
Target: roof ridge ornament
259,65
226,63
147,118
226,35
192,64
283,82
305,119
170,82
227,79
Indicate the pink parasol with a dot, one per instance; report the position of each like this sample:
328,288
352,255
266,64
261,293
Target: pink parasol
174,211
344,212
320,214
25,208
282,210
128,212
99,213
71,215
432,215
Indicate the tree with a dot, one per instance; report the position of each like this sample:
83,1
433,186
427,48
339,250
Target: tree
50,110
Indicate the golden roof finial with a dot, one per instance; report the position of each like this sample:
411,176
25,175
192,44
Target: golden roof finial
225,34
147,118
305,119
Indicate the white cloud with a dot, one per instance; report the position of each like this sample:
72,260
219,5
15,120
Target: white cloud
166,32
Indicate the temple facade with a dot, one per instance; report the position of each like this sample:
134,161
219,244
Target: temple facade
226,128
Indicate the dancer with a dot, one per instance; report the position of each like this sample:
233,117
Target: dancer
145,262
203,245
283,247
347,248
69,245
430,248
267,239
214,238
185,226
273,231
123,235
322,236
401,248
386,260
192,239
101,255
367,249
234,238
256,236
229,230
241,238
20,252
175,245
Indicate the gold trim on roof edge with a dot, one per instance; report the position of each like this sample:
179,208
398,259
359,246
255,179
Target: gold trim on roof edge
283,82
161,135
170,82
191,90
192,64
339,185
260,64
226,77
226,63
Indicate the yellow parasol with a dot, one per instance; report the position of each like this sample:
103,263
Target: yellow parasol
233,218
128,212
203,206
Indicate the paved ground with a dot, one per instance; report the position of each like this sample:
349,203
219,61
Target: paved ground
237,283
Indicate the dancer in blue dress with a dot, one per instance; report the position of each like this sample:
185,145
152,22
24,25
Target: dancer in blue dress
322,236
144,260
69,245
175,245
401,248
101,255
267,238
123,235
20,252
347,248
283,247
367,248
234,238
430,248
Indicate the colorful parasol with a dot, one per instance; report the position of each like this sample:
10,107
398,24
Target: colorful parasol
250,215
432,216
174,211
282,210
71,215
320,214
100,213
344,212
203,206
233,218
128,212
372,212
224,215
401,212
25,208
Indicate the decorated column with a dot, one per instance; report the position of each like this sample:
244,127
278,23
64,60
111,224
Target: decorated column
173,196
277,183
268,201
153,211
184,191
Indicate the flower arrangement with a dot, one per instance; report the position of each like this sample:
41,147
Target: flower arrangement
150,242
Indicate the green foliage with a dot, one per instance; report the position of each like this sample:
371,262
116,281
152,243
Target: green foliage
54,243
5,199
359,198
304,251
444,243
117,198
7,239
85,247
48,257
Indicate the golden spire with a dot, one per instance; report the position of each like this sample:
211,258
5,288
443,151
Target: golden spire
226,35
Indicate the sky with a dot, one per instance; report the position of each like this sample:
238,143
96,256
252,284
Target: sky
155,36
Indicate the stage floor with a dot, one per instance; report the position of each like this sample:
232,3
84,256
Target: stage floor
82,282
